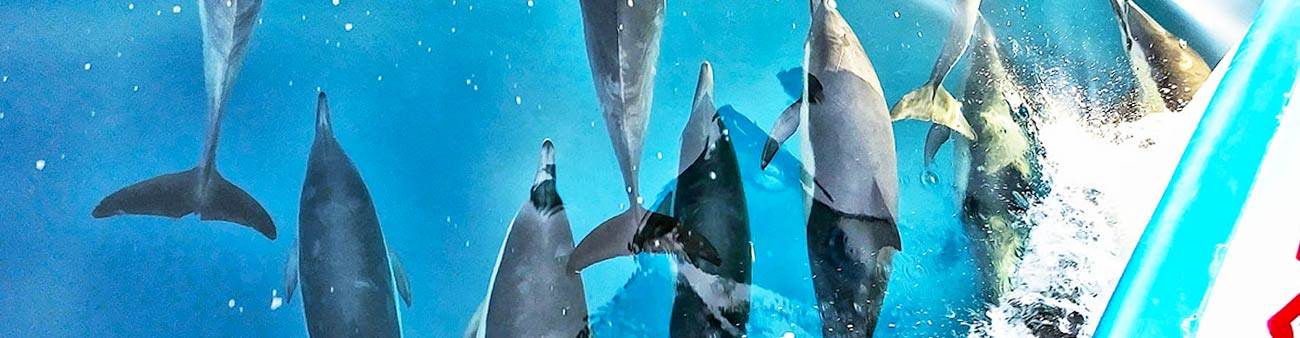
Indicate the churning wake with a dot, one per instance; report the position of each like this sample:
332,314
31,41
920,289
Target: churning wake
1106,180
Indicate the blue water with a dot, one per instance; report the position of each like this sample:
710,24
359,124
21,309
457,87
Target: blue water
442,106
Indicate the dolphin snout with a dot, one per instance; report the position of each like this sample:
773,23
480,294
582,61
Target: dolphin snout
548,152
546,166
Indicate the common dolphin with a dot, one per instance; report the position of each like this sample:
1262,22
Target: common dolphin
1168,72
532,292
997,174
852,219
622,48
227,27
931,102
712,299
349,278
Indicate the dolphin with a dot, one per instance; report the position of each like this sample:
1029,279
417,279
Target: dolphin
532,292
622,47
852,220
997,174
227,27
712,300
349,278
1168,72
931,102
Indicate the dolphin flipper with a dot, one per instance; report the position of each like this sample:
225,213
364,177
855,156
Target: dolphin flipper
475,327
176,195
933,141
291,273
785,126
399,276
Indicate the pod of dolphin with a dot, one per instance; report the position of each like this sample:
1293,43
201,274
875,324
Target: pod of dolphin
351,281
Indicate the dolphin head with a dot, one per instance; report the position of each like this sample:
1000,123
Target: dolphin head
702,107
702,127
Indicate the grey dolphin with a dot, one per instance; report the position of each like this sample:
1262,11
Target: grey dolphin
712,300
1168,71
532,292
997,173
623,47
349,278
931,102
852,220
227,27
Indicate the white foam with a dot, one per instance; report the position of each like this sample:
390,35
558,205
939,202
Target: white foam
1106,183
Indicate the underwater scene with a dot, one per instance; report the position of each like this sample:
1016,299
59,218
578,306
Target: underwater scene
593,168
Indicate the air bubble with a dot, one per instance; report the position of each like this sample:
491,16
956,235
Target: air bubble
176,9
929,177
347,27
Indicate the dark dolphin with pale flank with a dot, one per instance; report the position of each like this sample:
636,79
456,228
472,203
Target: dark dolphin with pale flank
532,292
852,219
998,175
623,47
1168,71
712,298
227,28
350,281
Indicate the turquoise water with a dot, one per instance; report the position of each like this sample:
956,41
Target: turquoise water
442,107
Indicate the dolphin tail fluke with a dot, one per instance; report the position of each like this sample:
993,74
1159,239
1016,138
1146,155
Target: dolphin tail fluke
170,195
231,204
610,239
660,228
638,230
934,104
176,195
